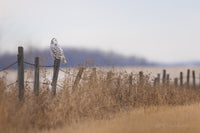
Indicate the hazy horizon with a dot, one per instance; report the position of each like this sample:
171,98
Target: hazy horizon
160,31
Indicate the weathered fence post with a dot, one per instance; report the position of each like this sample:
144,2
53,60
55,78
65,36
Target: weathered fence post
155,82
93,78
193,76
141,78
176,82
109,78
199,80
158,78
188,78
164,77
118,83
94,74
109,75
181,79
78,78
168,79
36,78
20,76
55,75
130,81
117,94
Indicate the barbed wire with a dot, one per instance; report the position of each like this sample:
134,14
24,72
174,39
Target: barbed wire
63,70
32,64
28,63
45,66
44,83
59,85
48,84
12,84
8,66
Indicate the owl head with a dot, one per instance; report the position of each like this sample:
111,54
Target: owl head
54,41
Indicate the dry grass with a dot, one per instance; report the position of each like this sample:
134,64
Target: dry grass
97,99
162,119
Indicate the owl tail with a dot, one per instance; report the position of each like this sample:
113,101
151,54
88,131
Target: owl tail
63,60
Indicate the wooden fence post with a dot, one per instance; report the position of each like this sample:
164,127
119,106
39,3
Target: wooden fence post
78,78
188,78
55,75
109,75
108,78
130,81
20,76
168,80
93,78
36,78
181,79
118,90
118,84
94,75
164,77
176,82
158,78
199,80
155,82
141,78
193,76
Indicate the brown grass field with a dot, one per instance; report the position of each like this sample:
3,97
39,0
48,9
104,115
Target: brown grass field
162,119
100,103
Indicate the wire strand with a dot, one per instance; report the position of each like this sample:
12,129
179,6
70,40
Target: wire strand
63,70
45,66
28,63
43,83
8,66
12,84
59,85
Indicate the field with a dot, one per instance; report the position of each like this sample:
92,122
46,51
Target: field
162,119
104,101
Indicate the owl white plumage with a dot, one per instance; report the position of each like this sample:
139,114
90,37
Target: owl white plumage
57,51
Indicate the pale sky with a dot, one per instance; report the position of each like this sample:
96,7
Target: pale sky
159,30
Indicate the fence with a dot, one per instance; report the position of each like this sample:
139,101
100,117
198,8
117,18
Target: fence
56,68
20,74
178,81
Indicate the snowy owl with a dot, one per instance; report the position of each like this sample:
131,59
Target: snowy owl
57,51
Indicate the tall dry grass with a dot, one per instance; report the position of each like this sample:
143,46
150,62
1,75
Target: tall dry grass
97,97
161,119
